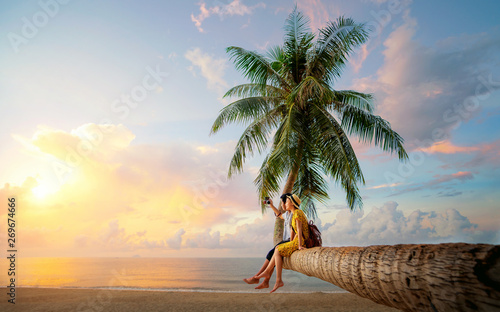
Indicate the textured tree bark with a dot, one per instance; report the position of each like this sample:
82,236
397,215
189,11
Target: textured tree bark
279,225
443,277
290,181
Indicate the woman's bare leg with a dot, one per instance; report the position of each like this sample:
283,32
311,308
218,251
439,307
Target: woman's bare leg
265,282
278,259
264,266
269,270
254,279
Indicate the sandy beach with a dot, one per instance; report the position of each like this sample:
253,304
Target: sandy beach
49,299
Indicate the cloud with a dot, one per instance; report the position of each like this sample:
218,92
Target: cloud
205,240
359,58
114,238
88,141
427,91
81,241
461,175
211,69
488,155
126,196
39,236
236,7
256,236
382,186
433,184
250,238
387,225
316,11
175,241
449,194
446,147
485,155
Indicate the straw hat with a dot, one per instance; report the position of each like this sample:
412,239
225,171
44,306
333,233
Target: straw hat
296,201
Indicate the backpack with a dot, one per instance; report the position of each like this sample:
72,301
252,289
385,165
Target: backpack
314,239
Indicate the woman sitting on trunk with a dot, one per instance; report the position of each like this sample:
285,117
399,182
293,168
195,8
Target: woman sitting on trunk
300,232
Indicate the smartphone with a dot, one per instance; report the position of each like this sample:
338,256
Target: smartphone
266,199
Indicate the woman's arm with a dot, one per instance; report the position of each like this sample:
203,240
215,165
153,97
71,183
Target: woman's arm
299,233
292,235
276,211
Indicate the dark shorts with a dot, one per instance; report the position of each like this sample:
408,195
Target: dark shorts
271,252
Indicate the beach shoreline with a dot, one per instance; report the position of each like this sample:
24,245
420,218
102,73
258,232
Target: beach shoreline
188,290
62,299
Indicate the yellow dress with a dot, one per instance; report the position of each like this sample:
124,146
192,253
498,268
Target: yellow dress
286,249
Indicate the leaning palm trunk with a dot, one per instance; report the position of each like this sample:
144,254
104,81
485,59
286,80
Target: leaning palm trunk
278,231
443,277
279,223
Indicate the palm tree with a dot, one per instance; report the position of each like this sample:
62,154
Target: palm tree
290,99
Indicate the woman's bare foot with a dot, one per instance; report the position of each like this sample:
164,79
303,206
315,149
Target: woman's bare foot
251,280
277,285
264,284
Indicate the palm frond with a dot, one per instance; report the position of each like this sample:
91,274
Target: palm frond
280,159
270,177
255,67
243,110
255,136
336,41
279,63
371,128
296,27
311,185
357,99
298,40
254,90
337,156
311,88
282,145
275,54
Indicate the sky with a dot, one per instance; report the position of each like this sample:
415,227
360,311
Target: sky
106,109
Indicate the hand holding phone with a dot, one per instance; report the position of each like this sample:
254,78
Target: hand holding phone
266,200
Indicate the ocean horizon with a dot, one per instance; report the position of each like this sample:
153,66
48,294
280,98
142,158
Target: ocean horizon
156,274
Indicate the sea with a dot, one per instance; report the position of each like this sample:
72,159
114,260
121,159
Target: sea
156,274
